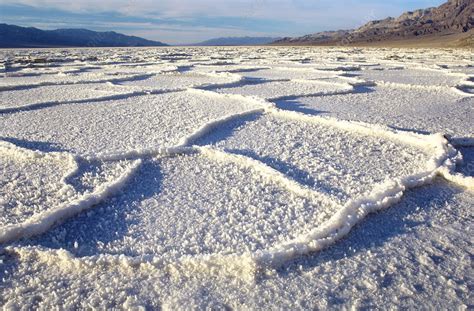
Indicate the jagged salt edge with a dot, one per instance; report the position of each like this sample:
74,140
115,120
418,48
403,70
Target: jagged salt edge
412,86
255,100
457,178
116,96
418,140
141,91
414,139
455,89
266,172
309,69
141,153
344,69
374,130
466,83
10,87
345,88
231,80
235,78
232,265
241,70
27,154
356,210
42,222
184,145
209,126
344,85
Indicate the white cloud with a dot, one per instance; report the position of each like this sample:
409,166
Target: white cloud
294,10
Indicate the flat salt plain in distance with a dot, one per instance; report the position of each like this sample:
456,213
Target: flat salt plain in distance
236,178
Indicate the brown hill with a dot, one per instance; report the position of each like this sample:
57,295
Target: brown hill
450,24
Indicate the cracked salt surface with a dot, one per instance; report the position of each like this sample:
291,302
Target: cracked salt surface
424,77
180,81
121,125
278,73
428,111
195,205
34,97
338,163
294,88
34,183
218,177
10,82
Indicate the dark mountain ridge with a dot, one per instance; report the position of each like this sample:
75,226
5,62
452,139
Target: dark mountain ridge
12,36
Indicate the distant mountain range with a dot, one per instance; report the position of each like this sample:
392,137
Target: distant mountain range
21,37
235,41
450,24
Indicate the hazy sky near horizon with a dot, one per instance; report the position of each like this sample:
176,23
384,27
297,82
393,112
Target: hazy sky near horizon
188,21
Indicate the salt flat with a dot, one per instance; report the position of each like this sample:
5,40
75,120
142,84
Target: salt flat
236,178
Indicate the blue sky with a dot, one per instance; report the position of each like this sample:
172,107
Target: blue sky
188,21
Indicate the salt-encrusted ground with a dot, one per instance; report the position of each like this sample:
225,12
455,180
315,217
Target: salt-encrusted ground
189,178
